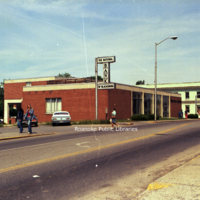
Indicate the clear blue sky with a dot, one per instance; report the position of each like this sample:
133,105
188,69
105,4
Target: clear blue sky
46,37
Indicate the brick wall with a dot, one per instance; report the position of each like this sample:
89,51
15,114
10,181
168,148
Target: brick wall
12,120
121,101
15,90
39,83
80,103
175,106
103,104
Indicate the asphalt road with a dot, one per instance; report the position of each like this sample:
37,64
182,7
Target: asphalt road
94,164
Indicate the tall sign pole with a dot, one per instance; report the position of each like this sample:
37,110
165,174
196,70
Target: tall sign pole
106,77
96,87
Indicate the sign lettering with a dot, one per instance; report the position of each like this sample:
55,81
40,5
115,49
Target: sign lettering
106,60
106,86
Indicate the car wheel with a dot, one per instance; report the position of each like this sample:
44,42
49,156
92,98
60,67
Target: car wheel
53,124
36,125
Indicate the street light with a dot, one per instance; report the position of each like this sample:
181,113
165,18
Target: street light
155,100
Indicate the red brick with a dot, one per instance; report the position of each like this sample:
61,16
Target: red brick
80,103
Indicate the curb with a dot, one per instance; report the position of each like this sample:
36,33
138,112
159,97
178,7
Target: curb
156,184
25,136
131,123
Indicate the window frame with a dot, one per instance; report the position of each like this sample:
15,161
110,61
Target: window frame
198,94
187,106
28,84
187,95
52,101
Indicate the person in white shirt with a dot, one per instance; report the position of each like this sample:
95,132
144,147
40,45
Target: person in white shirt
113,116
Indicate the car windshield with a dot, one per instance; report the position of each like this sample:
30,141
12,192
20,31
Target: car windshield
61,113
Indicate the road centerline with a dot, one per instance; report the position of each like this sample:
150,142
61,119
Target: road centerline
86,150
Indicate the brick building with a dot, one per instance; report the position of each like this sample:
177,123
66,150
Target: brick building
77,96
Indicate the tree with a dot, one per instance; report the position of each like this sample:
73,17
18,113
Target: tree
140,82
66,75
2,84
99,78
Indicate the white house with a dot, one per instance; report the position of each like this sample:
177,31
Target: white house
190,94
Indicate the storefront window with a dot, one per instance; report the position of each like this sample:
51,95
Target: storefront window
147,104
158,105
137,103
165,106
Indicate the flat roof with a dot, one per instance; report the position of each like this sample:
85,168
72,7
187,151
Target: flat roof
173,85
30,79
91,85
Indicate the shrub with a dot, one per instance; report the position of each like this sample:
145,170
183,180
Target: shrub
141,117
93,122
104,121
48,123
193,116
151,117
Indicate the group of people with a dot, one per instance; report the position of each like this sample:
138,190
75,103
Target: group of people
28,116
180,114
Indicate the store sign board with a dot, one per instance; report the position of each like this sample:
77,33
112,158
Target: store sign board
106,86
109,59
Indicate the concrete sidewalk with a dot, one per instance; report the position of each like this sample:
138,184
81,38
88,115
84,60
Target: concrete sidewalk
17,135
182,183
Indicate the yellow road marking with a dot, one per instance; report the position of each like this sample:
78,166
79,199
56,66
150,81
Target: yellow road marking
156,186
85,151
171,129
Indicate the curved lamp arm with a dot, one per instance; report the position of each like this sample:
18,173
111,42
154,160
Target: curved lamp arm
173,38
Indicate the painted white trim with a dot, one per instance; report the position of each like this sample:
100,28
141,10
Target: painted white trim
145,90
171,85
6,107
59,87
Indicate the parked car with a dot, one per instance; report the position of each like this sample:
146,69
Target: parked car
33,122
61,117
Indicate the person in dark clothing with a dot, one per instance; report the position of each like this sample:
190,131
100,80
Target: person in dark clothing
180,114
20,115
186,114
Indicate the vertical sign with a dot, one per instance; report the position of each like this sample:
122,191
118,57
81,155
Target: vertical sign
106,77
106,73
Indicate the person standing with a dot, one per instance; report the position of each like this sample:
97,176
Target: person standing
113,116
29,117
180,114
186,114
20,115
